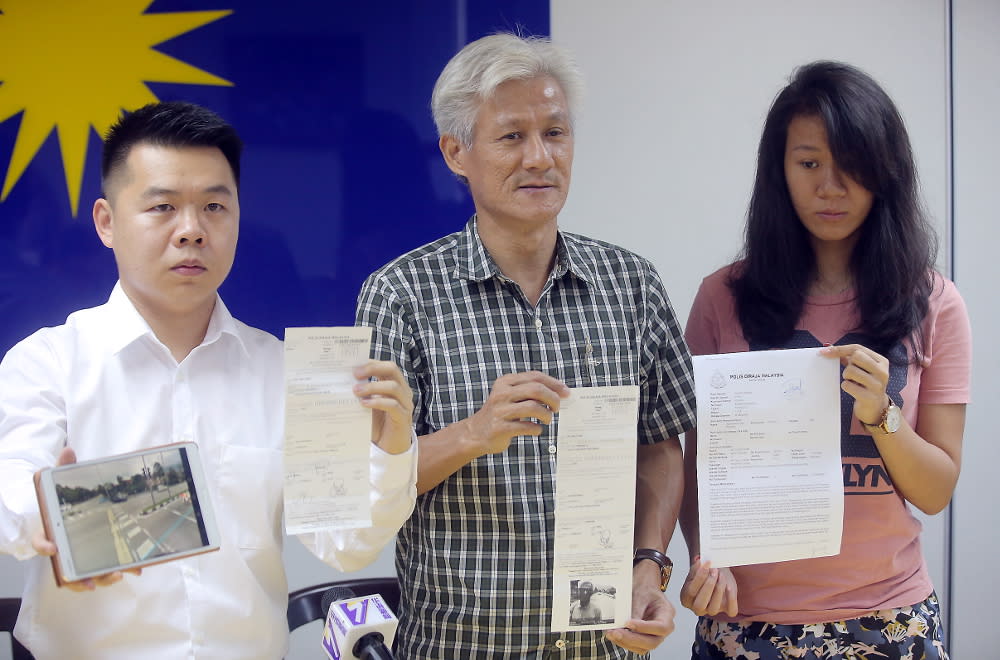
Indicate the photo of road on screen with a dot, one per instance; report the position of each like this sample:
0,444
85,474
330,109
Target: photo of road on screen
126,511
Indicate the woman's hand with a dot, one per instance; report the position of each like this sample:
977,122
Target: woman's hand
924,462
708,591
866,375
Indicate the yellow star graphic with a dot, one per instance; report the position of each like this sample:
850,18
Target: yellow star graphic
73,65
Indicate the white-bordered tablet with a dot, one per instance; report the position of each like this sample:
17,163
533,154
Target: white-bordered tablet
126,511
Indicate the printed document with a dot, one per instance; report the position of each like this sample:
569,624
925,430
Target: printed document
327,430
770,481
595,508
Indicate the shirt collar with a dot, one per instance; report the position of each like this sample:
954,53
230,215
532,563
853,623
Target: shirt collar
473,261
570,258
129,326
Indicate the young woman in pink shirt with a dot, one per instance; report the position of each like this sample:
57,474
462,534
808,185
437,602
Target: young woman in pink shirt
838,253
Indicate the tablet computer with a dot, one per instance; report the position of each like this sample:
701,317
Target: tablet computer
126,511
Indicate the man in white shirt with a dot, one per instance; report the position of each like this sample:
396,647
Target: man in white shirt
164,361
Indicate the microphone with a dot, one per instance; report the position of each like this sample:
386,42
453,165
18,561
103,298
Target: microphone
360,627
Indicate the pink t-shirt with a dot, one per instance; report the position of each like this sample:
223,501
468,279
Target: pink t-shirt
880,564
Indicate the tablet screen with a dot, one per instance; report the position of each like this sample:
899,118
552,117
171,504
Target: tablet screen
129,510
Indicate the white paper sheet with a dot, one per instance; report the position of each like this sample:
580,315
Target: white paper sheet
327,430
595,507
770,482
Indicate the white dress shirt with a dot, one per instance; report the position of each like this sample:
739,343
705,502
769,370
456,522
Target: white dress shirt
103,384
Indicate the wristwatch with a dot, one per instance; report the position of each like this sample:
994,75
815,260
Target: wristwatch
663,561
890,421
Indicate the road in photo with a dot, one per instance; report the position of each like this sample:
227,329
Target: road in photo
147,525
127,510
88,528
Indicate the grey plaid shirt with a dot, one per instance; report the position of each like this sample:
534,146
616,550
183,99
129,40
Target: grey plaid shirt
475,558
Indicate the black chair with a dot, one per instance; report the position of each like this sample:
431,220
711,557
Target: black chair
9,607
305,605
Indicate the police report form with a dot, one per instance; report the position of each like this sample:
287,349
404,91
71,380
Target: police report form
770,482
327,430
594,508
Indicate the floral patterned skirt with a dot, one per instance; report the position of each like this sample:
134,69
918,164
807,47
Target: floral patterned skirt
905,633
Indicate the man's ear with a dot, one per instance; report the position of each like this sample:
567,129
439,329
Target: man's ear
454,152
103,221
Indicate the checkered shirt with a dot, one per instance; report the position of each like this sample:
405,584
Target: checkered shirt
475,558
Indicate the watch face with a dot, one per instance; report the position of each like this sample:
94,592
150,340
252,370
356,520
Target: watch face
893,418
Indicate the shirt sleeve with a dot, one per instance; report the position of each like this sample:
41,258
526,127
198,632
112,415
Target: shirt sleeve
382,308
32,433
712,320
393,494
667,402
947,337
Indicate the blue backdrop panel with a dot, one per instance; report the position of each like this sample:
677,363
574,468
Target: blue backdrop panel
341,171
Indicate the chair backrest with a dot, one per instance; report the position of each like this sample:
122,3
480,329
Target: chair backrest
9,607
305,605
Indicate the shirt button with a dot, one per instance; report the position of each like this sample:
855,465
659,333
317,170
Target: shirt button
538,323
560,643
552,449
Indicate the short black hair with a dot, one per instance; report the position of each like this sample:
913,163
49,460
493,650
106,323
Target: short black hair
169,124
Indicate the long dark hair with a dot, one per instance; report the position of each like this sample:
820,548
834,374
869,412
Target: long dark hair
892,260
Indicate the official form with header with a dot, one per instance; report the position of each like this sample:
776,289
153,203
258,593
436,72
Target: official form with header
770,484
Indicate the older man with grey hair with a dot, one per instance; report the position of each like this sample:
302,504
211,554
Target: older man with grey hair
492,325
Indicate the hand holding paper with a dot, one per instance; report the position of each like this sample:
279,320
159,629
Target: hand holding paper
391,402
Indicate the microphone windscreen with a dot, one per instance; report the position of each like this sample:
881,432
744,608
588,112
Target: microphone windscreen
333,594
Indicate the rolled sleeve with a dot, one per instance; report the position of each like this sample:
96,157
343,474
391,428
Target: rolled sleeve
393,484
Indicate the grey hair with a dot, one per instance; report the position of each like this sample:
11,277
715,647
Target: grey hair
474,73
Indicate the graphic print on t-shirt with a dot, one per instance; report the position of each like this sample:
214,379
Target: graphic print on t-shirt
864,471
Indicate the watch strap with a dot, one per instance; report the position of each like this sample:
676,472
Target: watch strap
882,424
661,560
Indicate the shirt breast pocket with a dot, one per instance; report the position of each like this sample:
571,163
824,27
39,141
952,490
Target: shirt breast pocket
609,366
250,489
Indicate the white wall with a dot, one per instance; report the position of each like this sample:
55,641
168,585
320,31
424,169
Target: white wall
977,237
11,584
